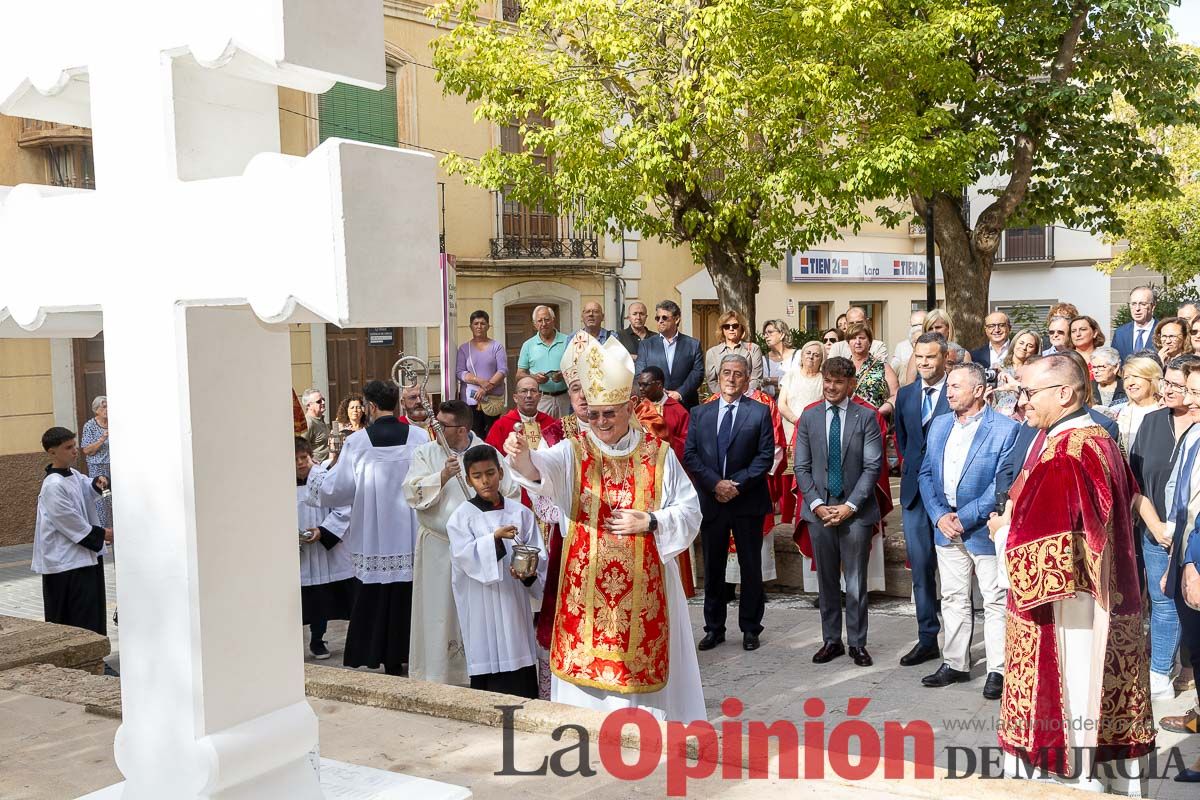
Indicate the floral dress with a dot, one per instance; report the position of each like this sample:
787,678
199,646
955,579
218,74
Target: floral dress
98,465
872,382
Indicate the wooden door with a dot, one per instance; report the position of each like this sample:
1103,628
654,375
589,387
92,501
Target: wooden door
704,322
353,361
89,376
518,329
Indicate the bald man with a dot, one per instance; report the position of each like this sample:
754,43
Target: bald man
1076,688
592,320
637,330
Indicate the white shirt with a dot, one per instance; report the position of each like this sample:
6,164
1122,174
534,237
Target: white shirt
66,514
997,356
1148,339
954,458
669,350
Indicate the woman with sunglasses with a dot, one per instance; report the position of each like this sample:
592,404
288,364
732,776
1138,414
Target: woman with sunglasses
733,332
780,358
1194,336
831,337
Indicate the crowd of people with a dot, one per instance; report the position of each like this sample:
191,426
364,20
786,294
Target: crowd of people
546,549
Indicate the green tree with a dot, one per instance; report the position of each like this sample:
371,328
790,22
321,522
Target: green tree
746,128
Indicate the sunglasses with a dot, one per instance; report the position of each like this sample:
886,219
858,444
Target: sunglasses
731,326
830,340
663,318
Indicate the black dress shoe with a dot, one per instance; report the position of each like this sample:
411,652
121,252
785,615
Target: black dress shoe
749,641
710,641
828,652
919,655
861,657
993,687
945,676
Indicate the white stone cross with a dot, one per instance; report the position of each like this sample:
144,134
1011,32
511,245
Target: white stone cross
199,244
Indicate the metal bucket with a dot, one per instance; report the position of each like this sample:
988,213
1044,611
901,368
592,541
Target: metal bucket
525,560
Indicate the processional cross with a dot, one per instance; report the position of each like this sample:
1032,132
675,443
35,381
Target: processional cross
198,246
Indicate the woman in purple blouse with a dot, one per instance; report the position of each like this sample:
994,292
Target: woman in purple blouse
482,367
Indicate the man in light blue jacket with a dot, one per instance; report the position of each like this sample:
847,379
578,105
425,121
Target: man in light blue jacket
963,453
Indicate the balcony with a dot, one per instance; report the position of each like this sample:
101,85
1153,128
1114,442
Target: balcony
534,233
36,133
1026,245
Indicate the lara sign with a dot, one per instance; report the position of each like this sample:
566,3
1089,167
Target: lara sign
831,265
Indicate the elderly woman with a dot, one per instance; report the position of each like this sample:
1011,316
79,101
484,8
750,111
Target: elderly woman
1108,389
482,368
1171,338
1143,379
801,386
1152,457
734,334
780,357
877,383
94,443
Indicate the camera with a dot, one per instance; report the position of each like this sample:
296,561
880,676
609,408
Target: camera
991,377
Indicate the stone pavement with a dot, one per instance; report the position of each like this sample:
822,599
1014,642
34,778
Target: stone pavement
772,682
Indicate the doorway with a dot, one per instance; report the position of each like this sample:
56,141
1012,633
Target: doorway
518,329
88,357
705,314
357,356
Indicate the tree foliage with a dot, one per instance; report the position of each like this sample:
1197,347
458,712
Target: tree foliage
746,128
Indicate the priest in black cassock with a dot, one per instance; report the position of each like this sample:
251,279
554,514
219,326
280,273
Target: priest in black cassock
369,477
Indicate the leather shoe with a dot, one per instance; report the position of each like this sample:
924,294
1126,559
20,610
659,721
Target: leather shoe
993,687
861,657
828,652
710,641
1185,723
1188,776
945,676
749,641
919,655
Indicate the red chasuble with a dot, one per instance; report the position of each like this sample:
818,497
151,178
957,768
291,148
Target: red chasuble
1072,533
670,425
611,623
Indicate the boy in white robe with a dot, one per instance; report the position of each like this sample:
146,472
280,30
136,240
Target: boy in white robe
369,476
494,605
327,585
68,541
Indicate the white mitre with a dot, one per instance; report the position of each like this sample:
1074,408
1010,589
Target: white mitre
606,371
569,364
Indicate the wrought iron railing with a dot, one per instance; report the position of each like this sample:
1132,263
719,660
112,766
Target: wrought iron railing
533,232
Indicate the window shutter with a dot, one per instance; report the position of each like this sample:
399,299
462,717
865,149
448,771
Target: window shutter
351,112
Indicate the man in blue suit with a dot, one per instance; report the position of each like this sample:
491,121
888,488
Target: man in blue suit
730,448
997,329
917,404
1138,334
958,488
678,355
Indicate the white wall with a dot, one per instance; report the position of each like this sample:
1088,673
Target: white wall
1086,287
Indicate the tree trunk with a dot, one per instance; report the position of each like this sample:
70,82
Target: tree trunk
967,258
736,282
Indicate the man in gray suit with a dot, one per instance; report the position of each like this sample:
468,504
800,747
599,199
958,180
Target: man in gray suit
839,454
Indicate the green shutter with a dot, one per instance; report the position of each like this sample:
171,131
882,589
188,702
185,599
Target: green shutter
350,112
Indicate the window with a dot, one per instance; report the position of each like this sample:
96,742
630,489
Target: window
351,112
71,165
919,305
1027,244
810,317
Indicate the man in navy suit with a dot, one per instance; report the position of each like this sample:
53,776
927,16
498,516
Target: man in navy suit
958,488
917,404
678,355
730,447
997,329
1138,334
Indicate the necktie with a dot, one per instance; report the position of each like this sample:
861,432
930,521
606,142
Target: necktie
927,406
1141,340
724,434
835,453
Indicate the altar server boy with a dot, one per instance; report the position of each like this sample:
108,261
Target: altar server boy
327,584
494,605
68,541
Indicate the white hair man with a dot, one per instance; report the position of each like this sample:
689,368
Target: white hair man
1138,333
539,359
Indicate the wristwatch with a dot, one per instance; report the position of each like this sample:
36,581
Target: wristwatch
653,523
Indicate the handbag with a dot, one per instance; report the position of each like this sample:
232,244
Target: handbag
491,405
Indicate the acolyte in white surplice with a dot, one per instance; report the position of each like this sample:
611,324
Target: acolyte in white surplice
324,561
437,652
494,608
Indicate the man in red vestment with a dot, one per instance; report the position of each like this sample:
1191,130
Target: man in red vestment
1077,682
526,397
